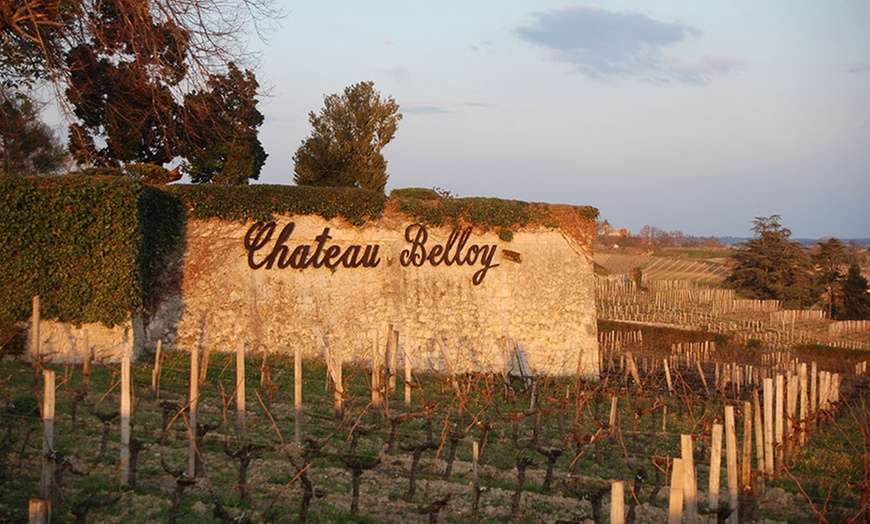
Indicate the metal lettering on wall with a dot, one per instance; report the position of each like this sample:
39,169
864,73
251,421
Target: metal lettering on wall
455,250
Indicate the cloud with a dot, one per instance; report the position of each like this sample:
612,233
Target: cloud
604,43
424,109
442,107
857,68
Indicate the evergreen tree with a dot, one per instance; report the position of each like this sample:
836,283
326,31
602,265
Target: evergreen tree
27,145
770,266
829,256
222,145
856,296
347,137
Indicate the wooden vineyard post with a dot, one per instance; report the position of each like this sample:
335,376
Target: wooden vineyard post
715,466
790,413
804,407
613,403
393,359
376,375
126,429
690,491
39,511
814,391
767,386
778,426
337,379
668,375
703,378
241,401
194,398
664,419
475,477
35,346
297,392
617,503
86,360
155,373
407,360
746,463
731,461
824,390
47,435
759,433
203,364
632,368
675,497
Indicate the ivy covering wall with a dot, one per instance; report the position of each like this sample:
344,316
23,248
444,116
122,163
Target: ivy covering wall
92,247
88,246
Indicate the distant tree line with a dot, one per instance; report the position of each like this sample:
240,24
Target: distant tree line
652,237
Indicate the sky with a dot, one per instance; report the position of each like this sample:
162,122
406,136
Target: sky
692,116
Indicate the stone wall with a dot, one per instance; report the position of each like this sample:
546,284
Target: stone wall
315,283
489,300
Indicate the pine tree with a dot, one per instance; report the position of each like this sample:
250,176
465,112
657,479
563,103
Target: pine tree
856,296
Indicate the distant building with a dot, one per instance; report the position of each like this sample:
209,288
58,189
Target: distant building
605,230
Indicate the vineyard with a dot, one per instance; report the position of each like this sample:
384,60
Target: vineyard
370,447
685,291
708,408
702,267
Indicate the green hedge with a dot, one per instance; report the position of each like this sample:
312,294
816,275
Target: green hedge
88,246
263,202
490,213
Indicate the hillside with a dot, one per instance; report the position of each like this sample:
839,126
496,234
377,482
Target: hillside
690,264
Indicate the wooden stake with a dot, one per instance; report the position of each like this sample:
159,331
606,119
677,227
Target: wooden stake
668,375
715,466
47,434
241,401
86,360
690,491
338,395
407,360
759,433
297,391
804,405
194,399
35,342
203,368
126,412
39,511
746,463
617,503
613,402
675,500
767,385
155,373
703,379
791,409
475,477
731,461
778,427
376,372
393,359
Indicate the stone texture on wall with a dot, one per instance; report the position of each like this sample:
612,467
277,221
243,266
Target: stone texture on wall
537,302
62,342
